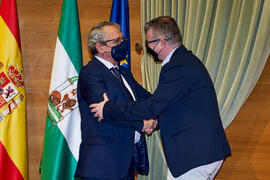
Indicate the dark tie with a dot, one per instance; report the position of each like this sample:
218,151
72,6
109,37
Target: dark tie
140,158
116,71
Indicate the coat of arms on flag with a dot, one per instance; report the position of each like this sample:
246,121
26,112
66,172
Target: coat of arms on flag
13,125
10,96
62,135
63,100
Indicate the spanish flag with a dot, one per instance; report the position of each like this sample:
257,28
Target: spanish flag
13,136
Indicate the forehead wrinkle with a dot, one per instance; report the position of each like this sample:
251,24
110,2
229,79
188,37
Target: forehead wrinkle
111,32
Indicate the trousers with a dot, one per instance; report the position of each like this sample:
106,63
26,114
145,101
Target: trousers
205,172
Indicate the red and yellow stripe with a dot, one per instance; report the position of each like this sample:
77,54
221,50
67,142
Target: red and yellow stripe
13,135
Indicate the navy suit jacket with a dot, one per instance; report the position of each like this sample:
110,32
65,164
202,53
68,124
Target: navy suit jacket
186,106
107,146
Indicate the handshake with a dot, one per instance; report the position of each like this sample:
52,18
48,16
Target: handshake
97,110
149,126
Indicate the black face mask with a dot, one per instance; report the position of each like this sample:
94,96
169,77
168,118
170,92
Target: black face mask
120,51
153,53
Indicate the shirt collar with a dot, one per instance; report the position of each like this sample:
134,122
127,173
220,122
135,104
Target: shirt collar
167,59
108,64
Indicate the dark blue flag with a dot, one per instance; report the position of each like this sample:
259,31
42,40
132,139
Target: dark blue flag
120,15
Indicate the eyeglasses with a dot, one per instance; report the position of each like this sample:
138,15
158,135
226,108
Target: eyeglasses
156,40
116,40
149,42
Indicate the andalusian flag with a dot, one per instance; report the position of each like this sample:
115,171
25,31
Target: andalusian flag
62,133
120,15
13,136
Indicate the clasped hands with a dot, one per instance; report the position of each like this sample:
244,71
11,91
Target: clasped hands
149,126
97,110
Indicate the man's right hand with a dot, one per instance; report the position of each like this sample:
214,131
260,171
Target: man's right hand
97,108
149,126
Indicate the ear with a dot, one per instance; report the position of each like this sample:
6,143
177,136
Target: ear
99,47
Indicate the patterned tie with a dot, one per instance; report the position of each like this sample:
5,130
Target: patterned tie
117,73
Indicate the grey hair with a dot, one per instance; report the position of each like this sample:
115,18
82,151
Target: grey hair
97,35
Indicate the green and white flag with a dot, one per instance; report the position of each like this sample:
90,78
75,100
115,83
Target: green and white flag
62,132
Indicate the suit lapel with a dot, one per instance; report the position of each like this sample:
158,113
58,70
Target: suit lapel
106,71
112,77
129,81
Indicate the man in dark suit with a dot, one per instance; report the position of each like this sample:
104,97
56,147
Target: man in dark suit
184,103
110,150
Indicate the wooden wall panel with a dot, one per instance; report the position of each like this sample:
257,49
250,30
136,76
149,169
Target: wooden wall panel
249,134
39,22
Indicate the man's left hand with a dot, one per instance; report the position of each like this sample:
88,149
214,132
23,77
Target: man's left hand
97,108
